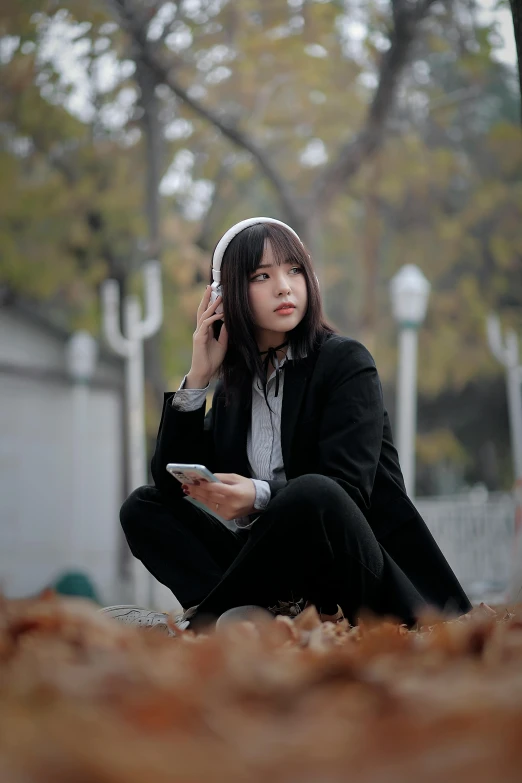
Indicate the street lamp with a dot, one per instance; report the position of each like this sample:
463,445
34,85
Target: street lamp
410,291
507,352
129,344
81,354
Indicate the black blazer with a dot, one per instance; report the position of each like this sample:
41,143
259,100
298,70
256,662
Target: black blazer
334,423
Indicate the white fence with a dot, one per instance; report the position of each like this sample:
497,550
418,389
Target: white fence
475,531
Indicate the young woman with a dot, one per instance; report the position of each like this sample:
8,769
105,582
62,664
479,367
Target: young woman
301,442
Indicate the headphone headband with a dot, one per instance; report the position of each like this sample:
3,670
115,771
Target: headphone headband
227,238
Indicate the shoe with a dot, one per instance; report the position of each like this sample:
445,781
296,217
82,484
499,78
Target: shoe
294,608
248,613
338,617
288,608
147,618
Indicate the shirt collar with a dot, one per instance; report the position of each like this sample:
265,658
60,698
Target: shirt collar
258,384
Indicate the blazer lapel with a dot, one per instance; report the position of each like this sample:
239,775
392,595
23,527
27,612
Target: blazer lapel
233,440
296,381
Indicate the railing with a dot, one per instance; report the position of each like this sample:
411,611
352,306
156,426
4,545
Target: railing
475,531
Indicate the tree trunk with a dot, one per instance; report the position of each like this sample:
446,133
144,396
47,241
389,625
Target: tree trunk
154,151
371,246
516,10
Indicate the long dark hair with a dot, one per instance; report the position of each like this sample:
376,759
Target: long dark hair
242,257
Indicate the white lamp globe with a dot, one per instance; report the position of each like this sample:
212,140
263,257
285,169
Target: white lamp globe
81,354
410,291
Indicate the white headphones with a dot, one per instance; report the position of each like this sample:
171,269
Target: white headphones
222,245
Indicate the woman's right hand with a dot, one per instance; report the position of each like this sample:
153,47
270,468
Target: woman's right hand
207,352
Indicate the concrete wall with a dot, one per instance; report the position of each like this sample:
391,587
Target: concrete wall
43,528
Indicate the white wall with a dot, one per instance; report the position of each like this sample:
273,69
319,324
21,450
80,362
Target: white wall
41,532
24,343
36,487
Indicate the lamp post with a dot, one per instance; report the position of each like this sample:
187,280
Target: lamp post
81,355
506,351
409,295
129,344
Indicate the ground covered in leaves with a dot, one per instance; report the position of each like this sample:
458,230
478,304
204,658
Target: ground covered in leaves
88,700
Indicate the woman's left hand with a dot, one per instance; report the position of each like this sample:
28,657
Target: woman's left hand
234,496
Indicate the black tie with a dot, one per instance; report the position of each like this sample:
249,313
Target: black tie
271,357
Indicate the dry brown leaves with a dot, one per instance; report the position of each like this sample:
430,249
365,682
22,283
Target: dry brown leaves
88,700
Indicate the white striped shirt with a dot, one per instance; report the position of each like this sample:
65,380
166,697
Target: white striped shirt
264,453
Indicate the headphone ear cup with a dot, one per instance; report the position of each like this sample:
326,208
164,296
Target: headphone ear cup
216,290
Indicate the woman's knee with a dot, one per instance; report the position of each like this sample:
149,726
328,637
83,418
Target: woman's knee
317,499
317,490
133,508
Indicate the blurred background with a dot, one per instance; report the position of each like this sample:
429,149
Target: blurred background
386,132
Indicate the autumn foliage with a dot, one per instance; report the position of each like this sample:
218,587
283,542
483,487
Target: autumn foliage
86,699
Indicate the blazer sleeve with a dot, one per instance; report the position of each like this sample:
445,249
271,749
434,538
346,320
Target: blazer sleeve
350,426
183,436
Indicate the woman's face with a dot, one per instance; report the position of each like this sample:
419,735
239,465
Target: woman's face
278,295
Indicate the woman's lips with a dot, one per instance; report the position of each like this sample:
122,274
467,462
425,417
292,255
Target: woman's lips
285,310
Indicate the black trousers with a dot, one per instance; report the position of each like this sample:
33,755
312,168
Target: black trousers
311,542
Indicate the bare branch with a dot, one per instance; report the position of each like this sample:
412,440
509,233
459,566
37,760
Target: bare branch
353,153
206,230
218,206
406,14
165,73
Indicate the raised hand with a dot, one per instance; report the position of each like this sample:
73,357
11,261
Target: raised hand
207,352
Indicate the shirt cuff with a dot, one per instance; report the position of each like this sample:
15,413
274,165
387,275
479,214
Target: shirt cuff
263,494
188,400
262,500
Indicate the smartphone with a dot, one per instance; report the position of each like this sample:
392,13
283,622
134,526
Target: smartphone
189,474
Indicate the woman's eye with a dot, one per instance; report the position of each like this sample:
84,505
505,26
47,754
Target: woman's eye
295,270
